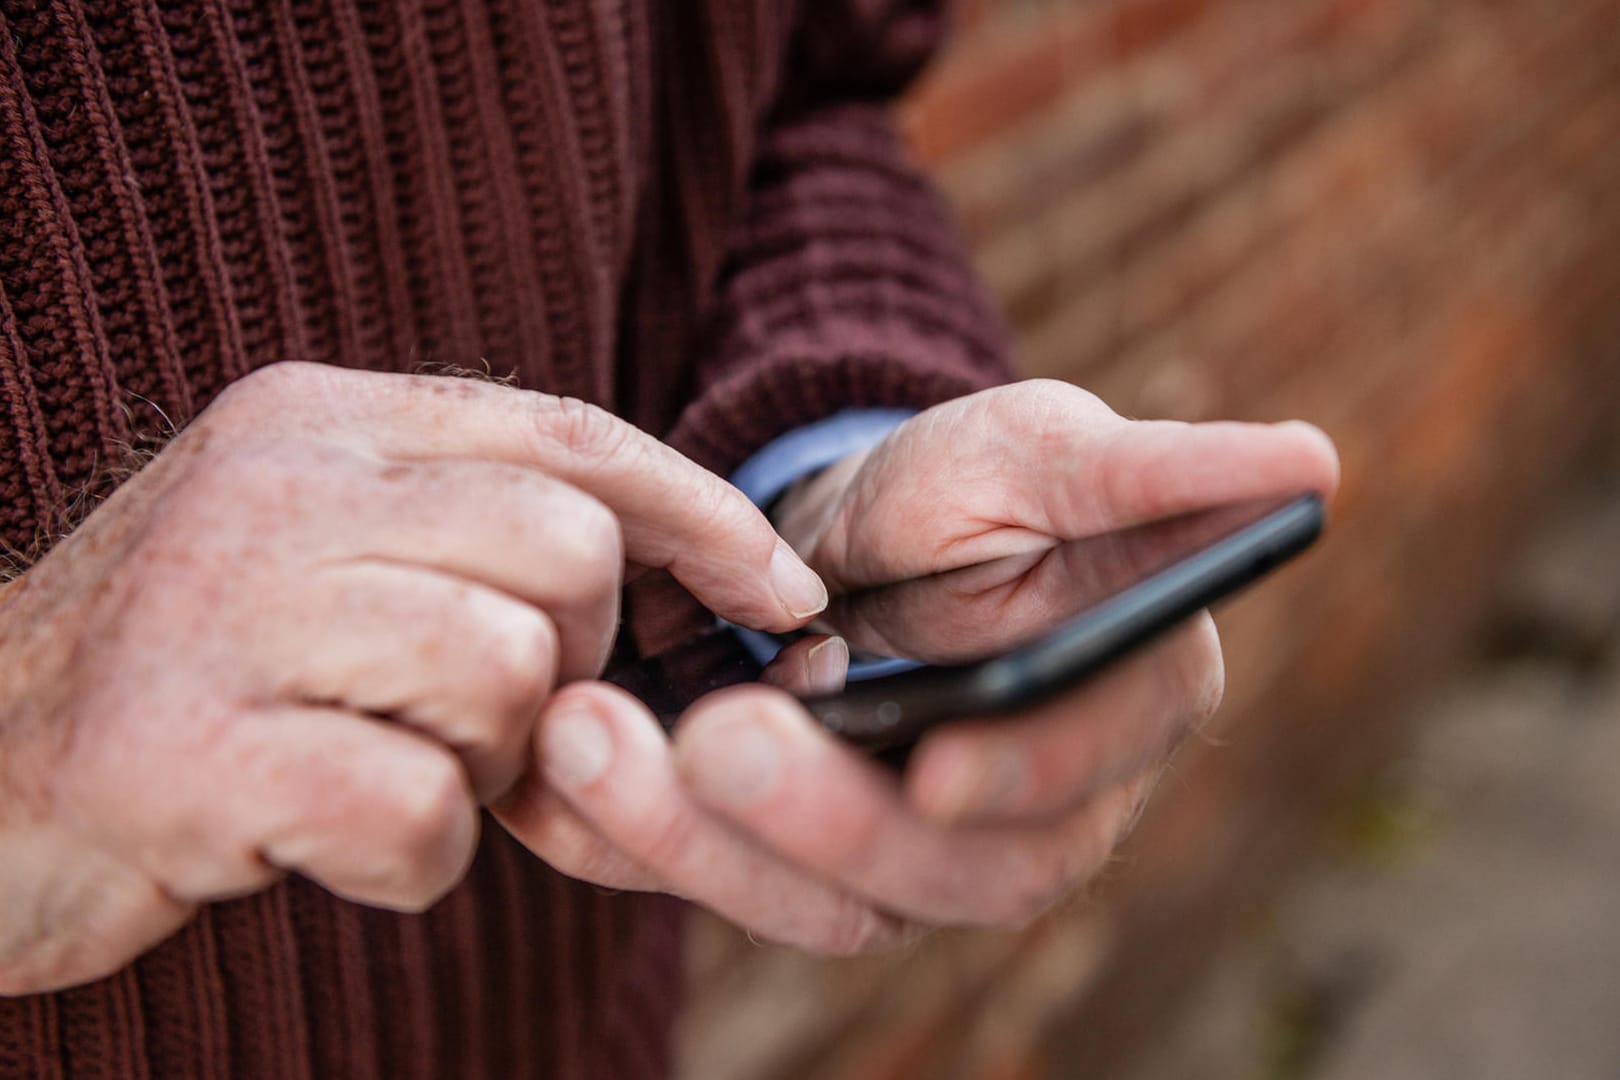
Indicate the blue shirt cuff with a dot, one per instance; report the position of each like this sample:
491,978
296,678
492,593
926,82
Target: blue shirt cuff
777,465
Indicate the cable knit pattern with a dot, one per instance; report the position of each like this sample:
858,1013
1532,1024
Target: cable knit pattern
695,214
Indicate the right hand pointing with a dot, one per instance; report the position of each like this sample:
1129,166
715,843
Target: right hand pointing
314,634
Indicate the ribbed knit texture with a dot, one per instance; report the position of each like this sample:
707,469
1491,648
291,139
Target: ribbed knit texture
694,213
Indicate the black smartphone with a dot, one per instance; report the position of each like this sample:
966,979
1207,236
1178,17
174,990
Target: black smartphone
998,636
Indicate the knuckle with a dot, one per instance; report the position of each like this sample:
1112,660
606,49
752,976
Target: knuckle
725,511
549,830
1031,890
721,520
523,657
1053,403
265,388
665,841
426,810
572,848
581,429
230,868
1056,392
854,928
594,545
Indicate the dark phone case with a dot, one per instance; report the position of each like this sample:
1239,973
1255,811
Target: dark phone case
894,711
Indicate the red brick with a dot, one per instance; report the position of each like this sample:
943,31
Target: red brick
967,100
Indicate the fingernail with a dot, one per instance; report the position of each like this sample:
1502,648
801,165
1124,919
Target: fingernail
1308,428
828,666
576,744
796,585
1302,425
736,765
981,785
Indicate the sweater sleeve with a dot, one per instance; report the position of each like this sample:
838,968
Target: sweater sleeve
845,283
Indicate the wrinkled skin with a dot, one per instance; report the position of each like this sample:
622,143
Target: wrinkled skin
314,634
757,813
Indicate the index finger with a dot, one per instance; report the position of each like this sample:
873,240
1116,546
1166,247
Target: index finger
675,514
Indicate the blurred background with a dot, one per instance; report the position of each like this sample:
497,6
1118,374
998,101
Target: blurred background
1398,853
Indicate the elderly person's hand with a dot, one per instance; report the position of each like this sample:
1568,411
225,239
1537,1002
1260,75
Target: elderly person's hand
757,813
314,634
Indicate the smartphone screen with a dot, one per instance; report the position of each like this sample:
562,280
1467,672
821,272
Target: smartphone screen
992,635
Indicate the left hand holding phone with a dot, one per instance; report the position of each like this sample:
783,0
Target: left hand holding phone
756,812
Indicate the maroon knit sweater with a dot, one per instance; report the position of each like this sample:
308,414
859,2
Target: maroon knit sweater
694,213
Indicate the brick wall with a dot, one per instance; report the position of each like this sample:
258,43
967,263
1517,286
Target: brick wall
1398,218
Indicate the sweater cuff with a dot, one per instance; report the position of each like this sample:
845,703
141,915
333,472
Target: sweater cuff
797,387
